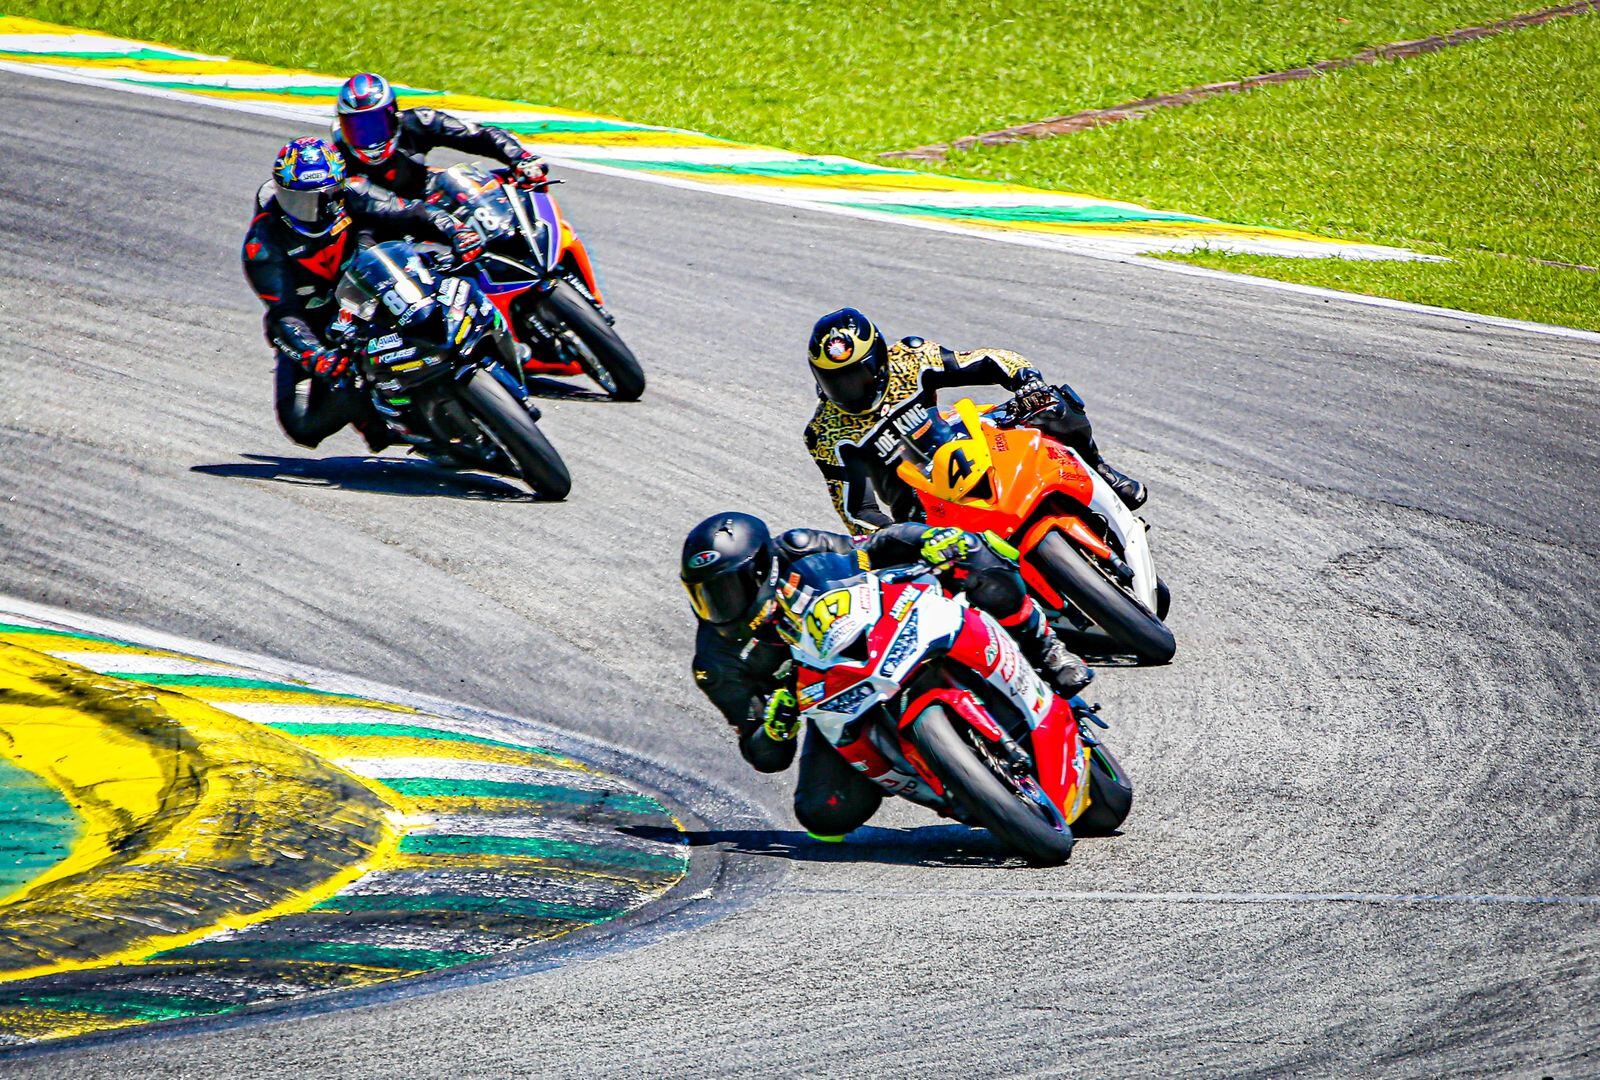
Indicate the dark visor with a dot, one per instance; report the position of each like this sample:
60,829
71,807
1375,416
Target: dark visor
723,598
369,129
853,388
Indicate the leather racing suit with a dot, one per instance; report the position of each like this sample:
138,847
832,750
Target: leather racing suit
294,276
857,452
405,171
738,675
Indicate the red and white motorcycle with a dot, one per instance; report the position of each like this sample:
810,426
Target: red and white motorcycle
931,699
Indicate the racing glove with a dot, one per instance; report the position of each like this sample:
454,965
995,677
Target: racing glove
466,243
329,363
531,169
782,719
942,547
1036,398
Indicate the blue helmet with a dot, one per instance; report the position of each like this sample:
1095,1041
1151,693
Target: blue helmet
369,119
308,185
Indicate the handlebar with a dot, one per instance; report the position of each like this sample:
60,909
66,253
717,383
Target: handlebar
906,572
1025,405
508,175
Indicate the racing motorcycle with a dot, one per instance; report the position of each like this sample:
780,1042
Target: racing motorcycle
536,271
1082,552
430,350
932,700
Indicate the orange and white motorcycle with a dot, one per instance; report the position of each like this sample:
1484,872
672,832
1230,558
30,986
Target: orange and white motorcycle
1083,553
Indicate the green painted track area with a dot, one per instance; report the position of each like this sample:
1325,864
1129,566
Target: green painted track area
37,827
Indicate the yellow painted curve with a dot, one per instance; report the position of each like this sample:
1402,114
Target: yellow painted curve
196,821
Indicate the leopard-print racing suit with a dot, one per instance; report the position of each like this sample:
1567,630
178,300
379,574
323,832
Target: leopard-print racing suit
858,452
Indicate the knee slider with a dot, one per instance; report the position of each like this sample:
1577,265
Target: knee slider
829,813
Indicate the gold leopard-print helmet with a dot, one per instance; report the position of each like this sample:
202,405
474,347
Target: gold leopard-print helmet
850,360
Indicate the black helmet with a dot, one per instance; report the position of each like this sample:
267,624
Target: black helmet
730,568
850,360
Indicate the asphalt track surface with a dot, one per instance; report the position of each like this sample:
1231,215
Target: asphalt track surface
1380,527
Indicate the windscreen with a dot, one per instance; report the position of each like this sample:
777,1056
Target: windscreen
388,285
814,576
470,193
919,445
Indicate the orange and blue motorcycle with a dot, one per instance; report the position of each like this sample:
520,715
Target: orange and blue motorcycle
536,270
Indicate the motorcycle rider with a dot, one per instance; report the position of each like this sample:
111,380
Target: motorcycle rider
873,392
731,567
389,146
309,221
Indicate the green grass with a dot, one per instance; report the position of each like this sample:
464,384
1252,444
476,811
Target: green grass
1484,153
852,76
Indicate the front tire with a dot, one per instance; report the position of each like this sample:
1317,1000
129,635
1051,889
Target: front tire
1021,824
1110,795
1123,618
513,430
605,357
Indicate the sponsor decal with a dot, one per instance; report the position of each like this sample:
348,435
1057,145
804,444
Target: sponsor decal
1008,663
388,341
810,695
704,558
887,445
828,609
903,605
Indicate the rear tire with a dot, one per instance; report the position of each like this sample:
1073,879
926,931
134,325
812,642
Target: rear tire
1122,617
509,424
1110,795
617,364
1018,824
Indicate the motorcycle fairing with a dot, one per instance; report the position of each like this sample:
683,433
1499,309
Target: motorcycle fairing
1035,484
834,690
563,244
1060,757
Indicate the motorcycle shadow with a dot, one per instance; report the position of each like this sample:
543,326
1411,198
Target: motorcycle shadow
540,386
379,475
927,845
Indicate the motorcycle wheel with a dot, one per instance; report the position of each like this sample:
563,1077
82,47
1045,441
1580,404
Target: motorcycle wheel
506,422
1122,617
1110,795
605,357
983,785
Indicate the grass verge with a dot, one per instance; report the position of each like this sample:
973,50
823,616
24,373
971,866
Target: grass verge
1483,153
846,76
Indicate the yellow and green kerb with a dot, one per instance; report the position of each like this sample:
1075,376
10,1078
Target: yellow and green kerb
187,838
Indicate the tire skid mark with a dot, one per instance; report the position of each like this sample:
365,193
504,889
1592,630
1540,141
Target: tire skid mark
499,845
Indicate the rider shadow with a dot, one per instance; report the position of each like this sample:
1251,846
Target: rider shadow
927,845
379,475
